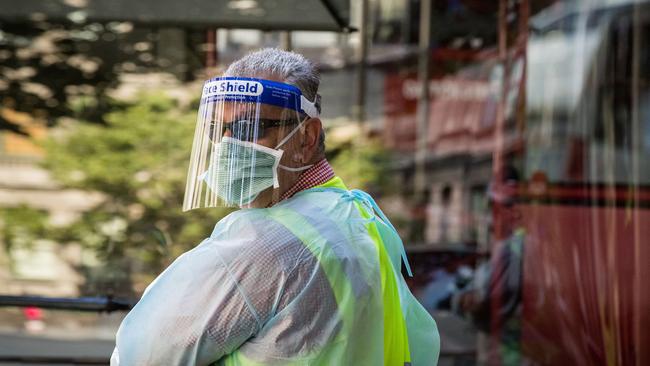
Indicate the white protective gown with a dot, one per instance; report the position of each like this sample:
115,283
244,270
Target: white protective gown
295,284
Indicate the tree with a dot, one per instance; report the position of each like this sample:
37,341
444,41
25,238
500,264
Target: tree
66,69
137,161
360,160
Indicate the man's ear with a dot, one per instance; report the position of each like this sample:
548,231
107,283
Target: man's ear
311,136
313,127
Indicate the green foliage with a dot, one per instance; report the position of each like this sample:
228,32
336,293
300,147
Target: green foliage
52,70
137,162
361,165
21,226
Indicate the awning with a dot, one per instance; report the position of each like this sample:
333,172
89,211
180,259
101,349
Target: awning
289,15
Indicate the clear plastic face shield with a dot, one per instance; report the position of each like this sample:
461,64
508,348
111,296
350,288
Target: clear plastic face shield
243,129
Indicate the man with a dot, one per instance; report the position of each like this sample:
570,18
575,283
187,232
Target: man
307,273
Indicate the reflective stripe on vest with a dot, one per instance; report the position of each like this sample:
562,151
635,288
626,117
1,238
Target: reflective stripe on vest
396,348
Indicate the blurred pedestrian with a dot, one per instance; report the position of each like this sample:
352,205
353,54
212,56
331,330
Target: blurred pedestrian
493,298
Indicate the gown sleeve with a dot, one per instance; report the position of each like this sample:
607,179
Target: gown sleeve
192,314
213,298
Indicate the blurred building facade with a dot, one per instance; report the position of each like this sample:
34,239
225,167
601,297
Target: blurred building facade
536,151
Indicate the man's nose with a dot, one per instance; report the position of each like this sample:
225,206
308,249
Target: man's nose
227,132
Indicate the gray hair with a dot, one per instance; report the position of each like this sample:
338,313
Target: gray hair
290,67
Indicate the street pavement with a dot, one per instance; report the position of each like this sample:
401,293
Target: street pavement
458,344
37,347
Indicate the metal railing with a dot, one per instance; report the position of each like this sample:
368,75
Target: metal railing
87,304
36,360
94,304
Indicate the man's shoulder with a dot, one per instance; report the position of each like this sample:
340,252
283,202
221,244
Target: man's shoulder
252,233
237,218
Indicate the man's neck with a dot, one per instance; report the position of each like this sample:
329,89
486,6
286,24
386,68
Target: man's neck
318,174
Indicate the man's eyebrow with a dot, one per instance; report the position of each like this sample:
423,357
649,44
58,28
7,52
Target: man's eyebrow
230,120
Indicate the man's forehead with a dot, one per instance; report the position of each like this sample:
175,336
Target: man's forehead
246,108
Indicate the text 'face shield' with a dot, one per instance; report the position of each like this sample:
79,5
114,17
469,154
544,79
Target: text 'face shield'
241,124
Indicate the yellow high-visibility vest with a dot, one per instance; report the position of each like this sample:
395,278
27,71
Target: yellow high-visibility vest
386,325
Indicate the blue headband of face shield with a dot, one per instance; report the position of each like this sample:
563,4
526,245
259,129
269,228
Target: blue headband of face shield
242,89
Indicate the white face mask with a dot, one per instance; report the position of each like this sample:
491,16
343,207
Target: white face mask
241,170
